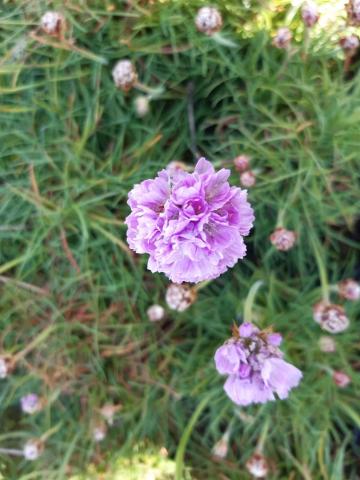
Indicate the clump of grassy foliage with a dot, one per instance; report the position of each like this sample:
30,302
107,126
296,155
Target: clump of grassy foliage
72,146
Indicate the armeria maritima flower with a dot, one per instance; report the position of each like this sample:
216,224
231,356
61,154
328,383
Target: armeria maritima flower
330,317
283,239
30,403
255,367
191,224
282,38
310,13
258,466
52,23
353,12
124,75
208,20
349,289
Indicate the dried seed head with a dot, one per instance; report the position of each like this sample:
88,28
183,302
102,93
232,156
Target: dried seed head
180,297
124,75
248,179
341,379
52,23
142,105
353,12
99,432
349,289
258,466
327,344
330,317
283,239
282,38
155,313
242,162
310,14
33,449
30,403
208,20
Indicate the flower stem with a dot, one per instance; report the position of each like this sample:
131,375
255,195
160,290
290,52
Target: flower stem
201,285
322,272
250,300
40,338
262,439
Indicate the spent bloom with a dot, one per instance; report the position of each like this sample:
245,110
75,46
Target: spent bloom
52,23
191,224
327,344
282,38
255,367
155,313
142,105
248,179
208,20
353,12
30,403
33,449
242,162
257,466
283,239
99,432
310,13
330,317
350,44
124,75
180,297
341,379
349,289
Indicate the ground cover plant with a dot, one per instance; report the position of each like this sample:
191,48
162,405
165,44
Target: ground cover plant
107,369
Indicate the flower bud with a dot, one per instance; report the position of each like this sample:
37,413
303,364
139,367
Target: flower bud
282,38
310,14
330,317
327,344
248,179
52,23
220,449
353,12
257,466
349,289
4,367
242,163
124,75
180,297
30,403
33,449
208,20
99,432
142,105
341,379
155,313
283,239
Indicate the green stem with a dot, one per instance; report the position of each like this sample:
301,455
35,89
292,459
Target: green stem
322,272
201,285
263,436
40,338
250,300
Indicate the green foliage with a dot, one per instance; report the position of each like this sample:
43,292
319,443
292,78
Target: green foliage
72,146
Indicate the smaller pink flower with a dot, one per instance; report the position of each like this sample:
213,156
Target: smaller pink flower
179,297
353,12
155,313
242,162
248,179
310,14
99,432
349,289
327,344
220,449
283,239
52,23
330,317
257,466
282,38
124,75
341,379
350,44
208,20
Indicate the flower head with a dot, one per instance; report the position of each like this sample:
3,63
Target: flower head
242,162
179,297
283,239
310,13
208,20
191,224
99,432
52,23
248,179
220,449
330,317
142,106
4,367
255,368
349,289
350,44
155,313
353,12
257,466
124,75
108,412
30,403
327,344
341,379
282,38
33,449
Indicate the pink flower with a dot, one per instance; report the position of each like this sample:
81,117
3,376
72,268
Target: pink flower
282,38
242,162
208,20
350,43
248,179
341,379
191,224
52,23
155,313
330,317
180,297
353,11
255,367
327,344
310,13
30,403
257,466
349,289
124,75
282,239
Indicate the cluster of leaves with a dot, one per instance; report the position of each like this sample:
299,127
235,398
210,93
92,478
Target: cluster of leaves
72,146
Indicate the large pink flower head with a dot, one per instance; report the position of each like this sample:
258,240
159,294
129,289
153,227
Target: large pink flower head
191,224
255,367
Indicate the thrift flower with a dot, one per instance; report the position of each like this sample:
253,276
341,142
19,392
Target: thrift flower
242,162
220,449
283,239
4,367
341,379
327,344
30,403
255,367
349,289
191,224
257,466
52,23
248,179
155,313
330,317
124,75
142,106
353,12
282,38
179,297
99,432
33,449
208,20
310,13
